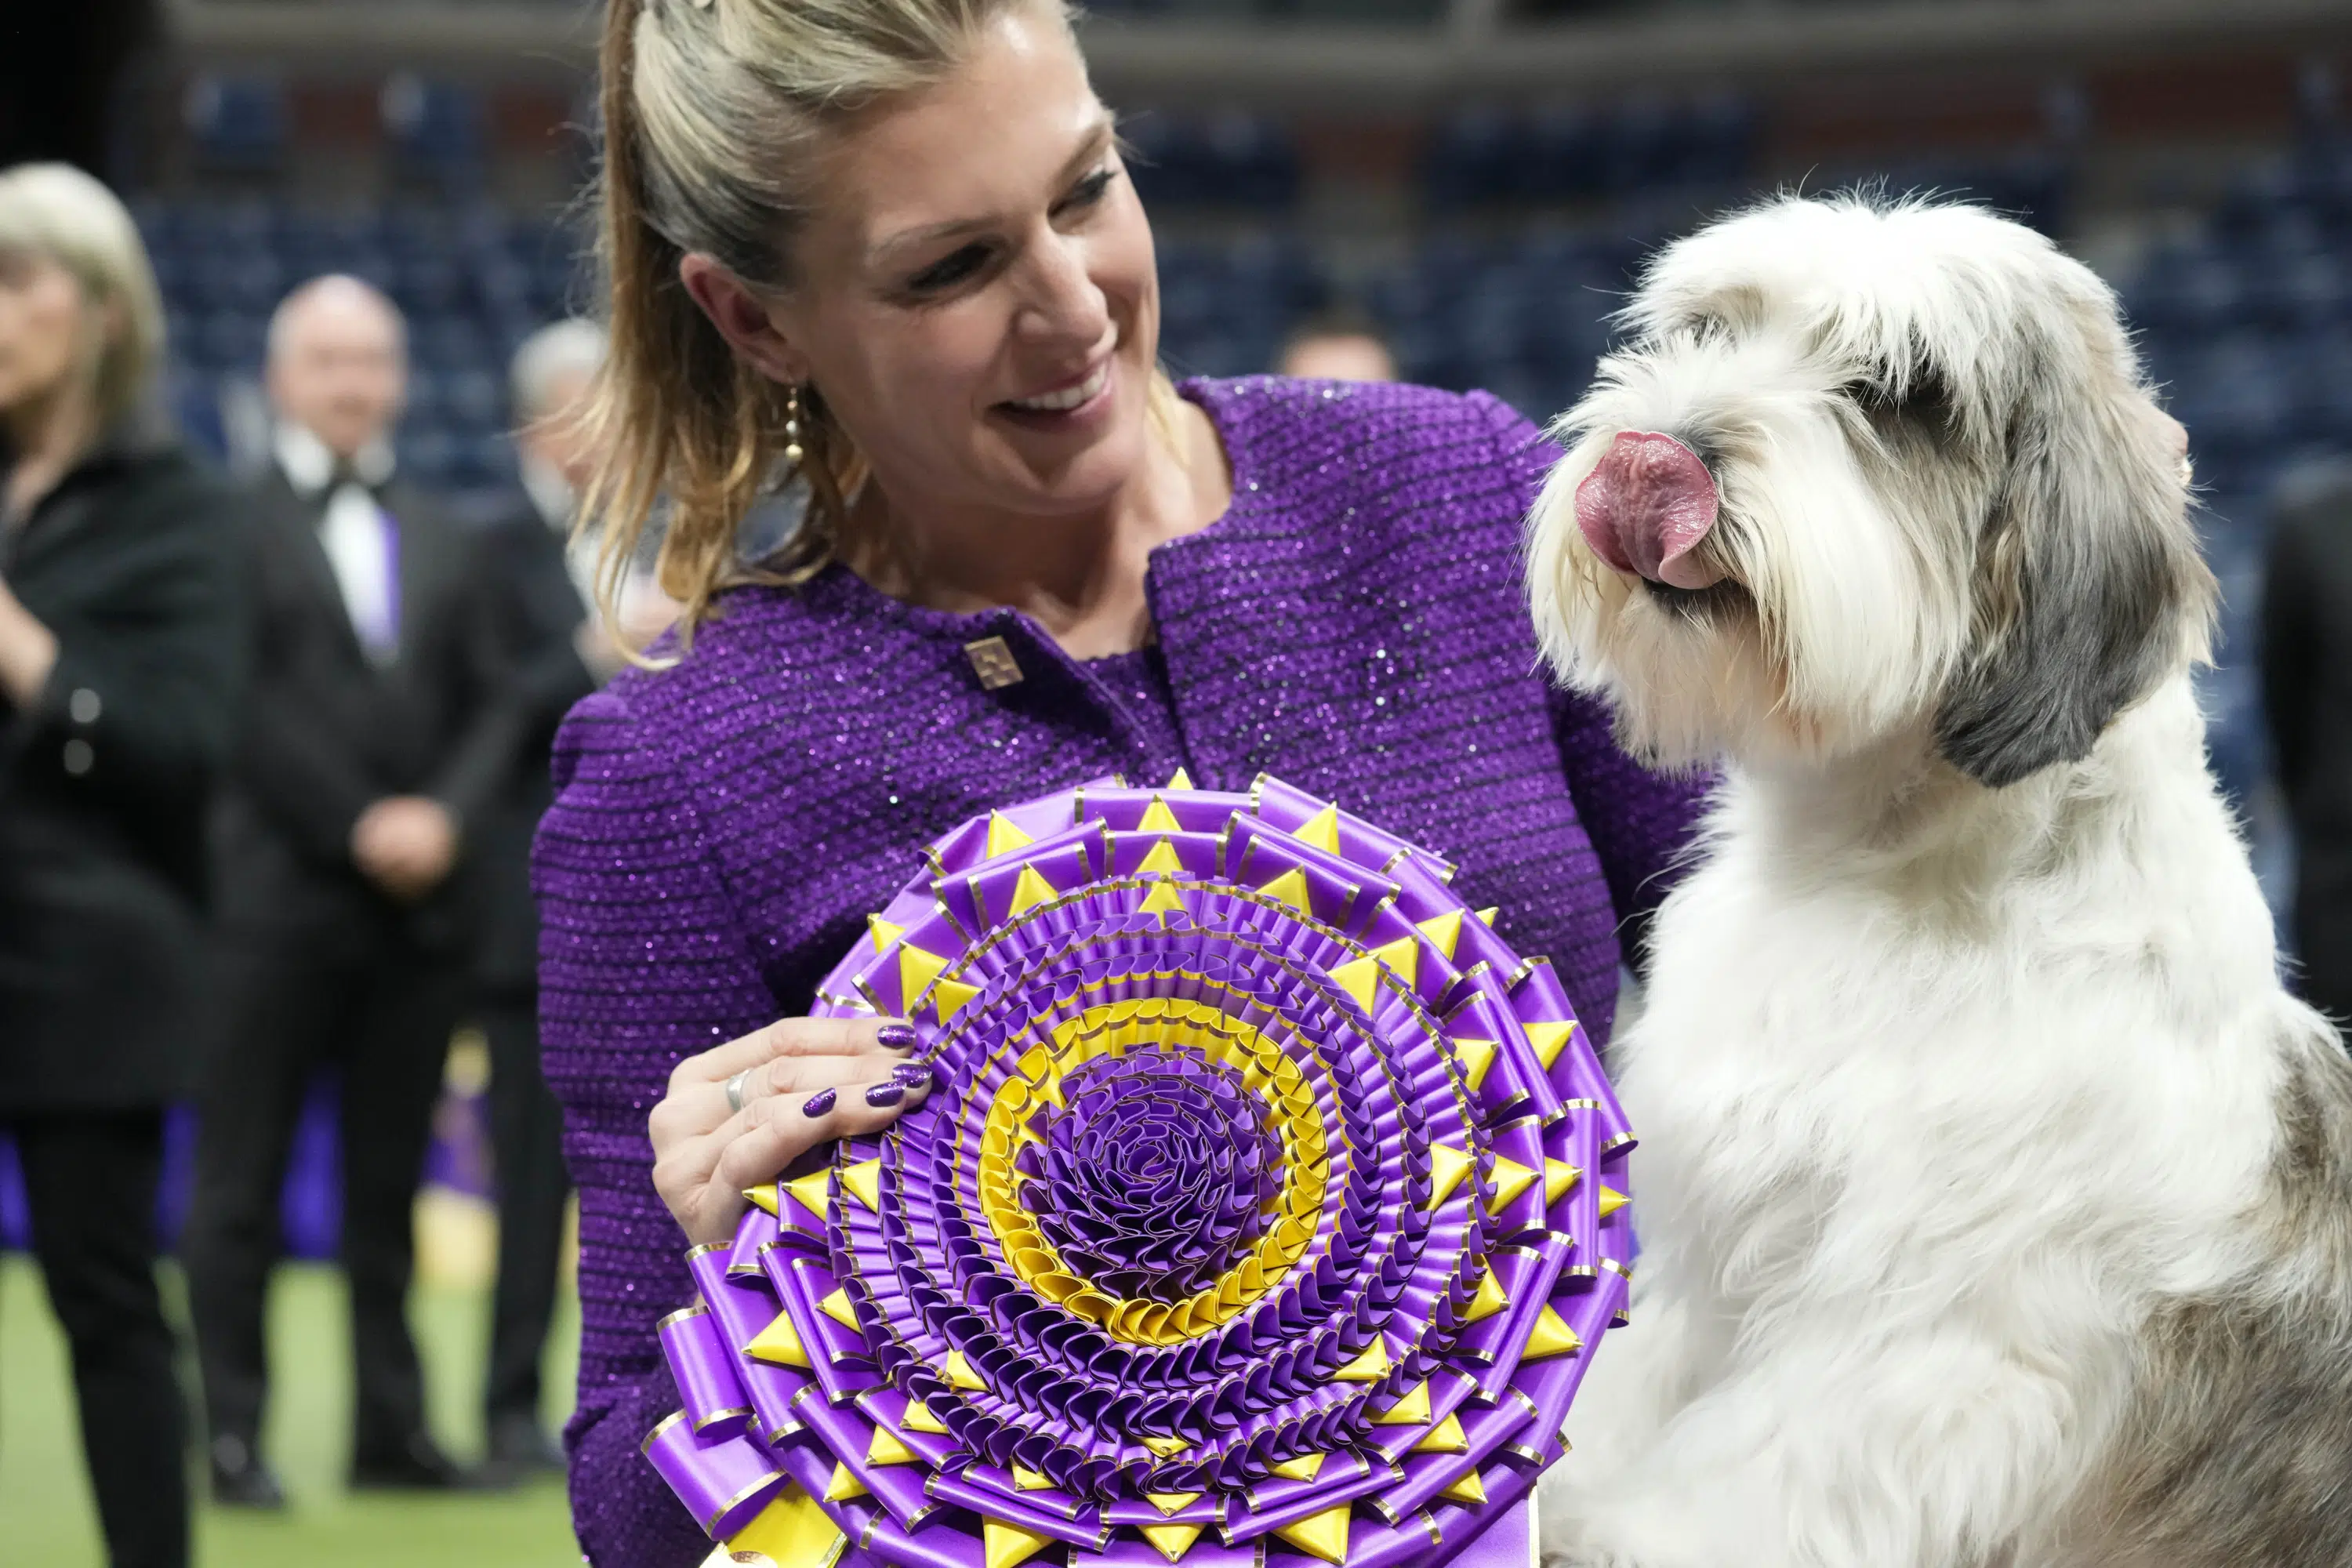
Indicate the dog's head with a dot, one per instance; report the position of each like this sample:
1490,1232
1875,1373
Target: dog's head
1869,468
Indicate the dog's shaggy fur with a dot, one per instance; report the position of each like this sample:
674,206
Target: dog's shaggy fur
1996,1198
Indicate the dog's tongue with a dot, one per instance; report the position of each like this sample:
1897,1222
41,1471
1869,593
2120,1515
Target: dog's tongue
1647,506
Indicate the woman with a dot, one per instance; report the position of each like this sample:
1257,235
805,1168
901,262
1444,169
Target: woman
118,638
889,244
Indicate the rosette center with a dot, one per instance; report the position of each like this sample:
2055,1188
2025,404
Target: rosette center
1154,1175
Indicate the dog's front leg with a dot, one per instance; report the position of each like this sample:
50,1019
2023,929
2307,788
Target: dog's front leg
1676,1343
1933,1448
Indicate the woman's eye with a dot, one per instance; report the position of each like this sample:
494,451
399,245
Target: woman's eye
956,268
1090,190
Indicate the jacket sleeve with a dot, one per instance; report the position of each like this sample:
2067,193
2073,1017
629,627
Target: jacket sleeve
2292,633
642,962
495,715
1642,823
139,709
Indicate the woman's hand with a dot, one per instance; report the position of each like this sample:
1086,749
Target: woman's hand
804,1081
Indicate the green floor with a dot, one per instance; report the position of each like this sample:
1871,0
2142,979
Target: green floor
45,1508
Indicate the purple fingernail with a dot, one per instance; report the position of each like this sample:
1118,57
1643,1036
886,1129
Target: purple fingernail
896,1037
913,1075
818,1104
883,1096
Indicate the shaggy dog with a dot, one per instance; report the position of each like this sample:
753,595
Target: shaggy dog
1996,1200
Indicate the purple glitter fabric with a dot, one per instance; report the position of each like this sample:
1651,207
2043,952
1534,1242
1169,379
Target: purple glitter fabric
1267,1201
1354,625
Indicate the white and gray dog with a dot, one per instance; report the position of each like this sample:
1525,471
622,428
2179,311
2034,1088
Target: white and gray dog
1995,1199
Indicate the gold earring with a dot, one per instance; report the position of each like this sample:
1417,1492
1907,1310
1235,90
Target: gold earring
792,452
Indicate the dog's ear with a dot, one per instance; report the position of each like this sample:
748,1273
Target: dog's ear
2088,583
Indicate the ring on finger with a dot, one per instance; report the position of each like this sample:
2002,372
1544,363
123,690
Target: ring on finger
735,1089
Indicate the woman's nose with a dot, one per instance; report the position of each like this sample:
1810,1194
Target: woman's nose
1064,302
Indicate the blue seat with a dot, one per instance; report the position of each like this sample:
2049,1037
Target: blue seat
238,125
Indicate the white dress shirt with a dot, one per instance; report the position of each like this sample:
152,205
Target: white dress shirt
360,542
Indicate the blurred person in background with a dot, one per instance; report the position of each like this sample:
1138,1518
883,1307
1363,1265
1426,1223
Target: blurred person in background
539,576
2306,672
120,652
372,744
1343,345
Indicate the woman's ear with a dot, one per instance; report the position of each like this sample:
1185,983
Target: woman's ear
742,318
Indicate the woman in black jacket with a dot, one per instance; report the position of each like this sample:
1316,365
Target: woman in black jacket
119,638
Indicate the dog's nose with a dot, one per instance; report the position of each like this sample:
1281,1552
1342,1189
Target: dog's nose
1645,508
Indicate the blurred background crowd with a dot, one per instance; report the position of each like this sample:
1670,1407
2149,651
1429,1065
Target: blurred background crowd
1449,191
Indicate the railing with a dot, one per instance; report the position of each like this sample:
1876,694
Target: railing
1303,53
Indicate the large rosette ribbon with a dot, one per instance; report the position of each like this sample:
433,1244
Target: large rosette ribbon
1266,1211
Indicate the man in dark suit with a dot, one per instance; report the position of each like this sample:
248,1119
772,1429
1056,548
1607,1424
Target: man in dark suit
540,582
372,745
2307,701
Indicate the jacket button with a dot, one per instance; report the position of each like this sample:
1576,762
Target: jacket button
84,705
78,757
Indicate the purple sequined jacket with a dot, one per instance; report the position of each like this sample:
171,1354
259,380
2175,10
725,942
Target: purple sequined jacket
1353,625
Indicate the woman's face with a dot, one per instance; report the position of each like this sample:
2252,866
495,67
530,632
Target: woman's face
44,321
978,301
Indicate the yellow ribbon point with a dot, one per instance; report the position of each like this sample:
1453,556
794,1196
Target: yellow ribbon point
1025,1480
1490,1301
1158,818
1477,1056
884,1448
1305,1468
1445,1437
844,1486
1029,891
1004,834
1511,1179
1161,858
1009,1544
1469,1491
1403,955
1551,1336
1413,1410
1447,1166
779,1344
1548,1039
815,1191
1173,1541
1321,1535
864,1180
1171,1503
762,1198
918,1418
1180,780
1162,900
1612,1200
793,1528
1558,1177
958,1371
1322,830
1369,1367
1444,932
1360,978
885,933
917,970
1290,887
836,1307
1486,916
950,997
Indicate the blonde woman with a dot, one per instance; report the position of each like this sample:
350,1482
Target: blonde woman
888,246
118,665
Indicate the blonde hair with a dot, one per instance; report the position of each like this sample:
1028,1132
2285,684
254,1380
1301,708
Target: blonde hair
713,113
55,212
